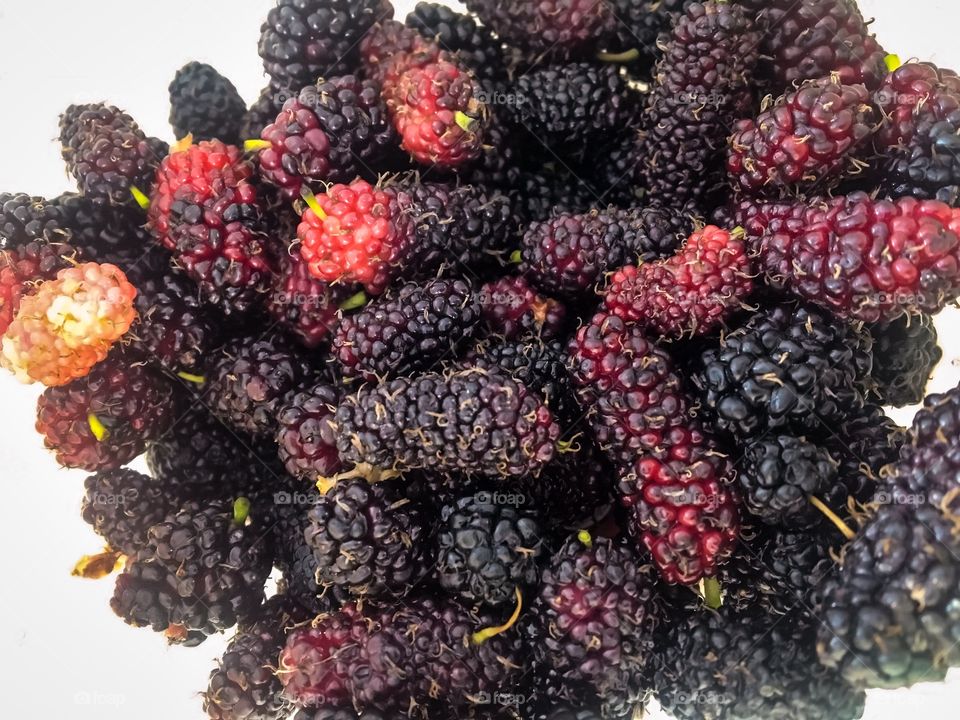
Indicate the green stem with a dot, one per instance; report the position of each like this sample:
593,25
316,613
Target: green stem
848,533
241,510
711,593
482,636
354,301
622,57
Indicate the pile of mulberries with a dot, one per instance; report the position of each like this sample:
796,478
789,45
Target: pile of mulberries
524,362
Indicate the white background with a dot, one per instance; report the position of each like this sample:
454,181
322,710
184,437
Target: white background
64,653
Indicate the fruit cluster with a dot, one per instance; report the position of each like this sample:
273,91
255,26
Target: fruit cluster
544,363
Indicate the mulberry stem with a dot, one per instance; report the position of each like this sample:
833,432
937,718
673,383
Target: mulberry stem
481,636
848,533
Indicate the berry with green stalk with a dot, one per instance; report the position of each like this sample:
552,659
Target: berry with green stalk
595,617
407,330
194,172
203,569
105,419
438,113
308,308
331,132
355,233
107,153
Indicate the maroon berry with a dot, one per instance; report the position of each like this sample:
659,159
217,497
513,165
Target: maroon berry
807,138
105,419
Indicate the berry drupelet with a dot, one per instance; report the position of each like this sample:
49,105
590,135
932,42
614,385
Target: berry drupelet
202,571
370,538
571,110
243,686
778,475
806,138
595,617
473,44
814,39
727,665
303,40
462,420
356,233
308,309
512,310
107,153
917,140
866,259
905,353
330,133
173,328
787,366
250,379
106,418
305,438
568,254
409,329
68,325
690,293
205,104
487,549
122,505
